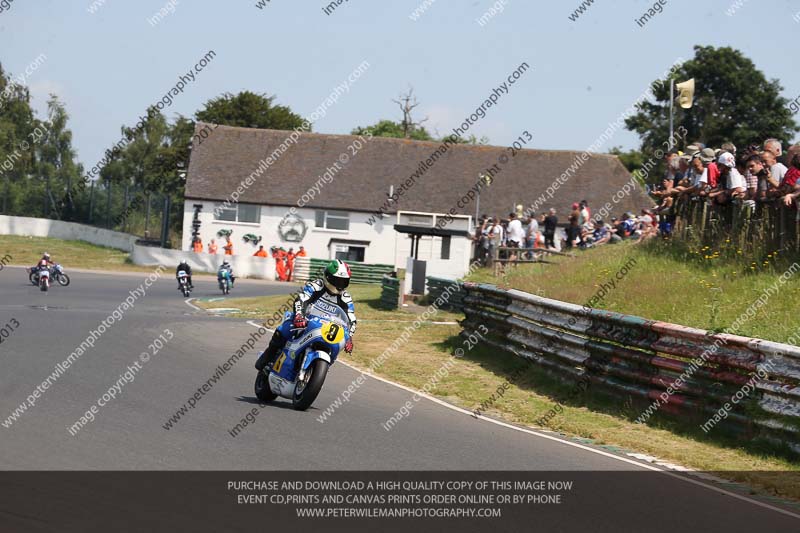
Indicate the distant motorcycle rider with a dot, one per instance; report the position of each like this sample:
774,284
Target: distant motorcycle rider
186,268
330,288
226,267
44,262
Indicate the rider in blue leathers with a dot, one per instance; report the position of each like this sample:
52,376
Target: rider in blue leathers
330,288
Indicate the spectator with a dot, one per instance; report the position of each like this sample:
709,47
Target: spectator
197,245
494,234
777,170
301,252
574,227
228,246
516,234
733,186
774,147
532,234
699,172
601,234
767,184
791,183
550,225
617,231
261,252
212,247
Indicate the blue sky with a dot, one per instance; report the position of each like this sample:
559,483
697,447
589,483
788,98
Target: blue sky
108,67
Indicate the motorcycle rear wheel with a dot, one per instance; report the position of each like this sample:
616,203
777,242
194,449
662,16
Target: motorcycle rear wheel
313,385
63,280
262,390
43,286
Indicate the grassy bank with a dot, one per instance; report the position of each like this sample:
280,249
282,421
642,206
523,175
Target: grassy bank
530,394
704,293
70,254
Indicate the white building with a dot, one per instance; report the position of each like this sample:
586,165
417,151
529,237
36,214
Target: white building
330,193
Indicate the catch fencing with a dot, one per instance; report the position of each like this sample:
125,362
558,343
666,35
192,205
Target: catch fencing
305,268
632,357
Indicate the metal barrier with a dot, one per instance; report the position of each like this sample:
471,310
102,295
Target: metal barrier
683,371
437,286
390,292
306,268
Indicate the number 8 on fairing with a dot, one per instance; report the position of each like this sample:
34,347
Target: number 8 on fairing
333,332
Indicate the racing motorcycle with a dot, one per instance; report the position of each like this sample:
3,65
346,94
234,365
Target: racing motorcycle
183,281
317,347
44,279
224,278
56,272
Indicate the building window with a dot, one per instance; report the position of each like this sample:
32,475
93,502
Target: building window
332,220
238,213
350,253
445,247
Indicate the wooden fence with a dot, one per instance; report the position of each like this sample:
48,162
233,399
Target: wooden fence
755,229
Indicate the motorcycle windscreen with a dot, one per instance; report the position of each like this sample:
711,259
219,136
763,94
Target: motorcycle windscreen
329,312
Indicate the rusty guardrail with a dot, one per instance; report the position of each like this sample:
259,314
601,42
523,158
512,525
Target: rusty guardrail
632,357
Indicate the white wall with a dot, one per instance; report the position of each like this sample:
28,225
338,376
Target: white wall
243,266
430,250
386,245
71,231
316,240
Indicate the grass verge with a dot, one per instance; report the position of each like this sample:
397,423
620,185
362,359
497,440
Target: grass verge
70,254
530,394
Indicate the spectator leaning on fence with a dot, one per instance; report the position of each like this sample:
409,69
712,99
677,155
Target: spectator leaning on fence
791,182
731,183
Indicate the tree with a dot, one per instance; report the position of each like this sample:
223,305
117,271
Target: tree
632,159
57,161
249,110
389,128
733,102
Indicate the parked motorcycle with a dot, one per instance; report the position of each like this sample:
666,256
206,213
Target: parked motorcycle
183,281
317,346
224,279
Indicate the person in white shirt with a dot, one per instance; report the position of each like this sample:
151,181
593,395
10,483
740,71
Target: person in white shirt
735,185
516,235
776,169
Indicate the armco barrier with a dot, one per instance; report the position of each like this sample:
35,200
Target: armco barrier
629,356
390,292
305,268
436,286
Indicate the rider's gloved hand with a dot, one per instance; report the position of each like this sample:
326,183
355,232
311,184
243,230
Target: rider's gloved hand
299,321
348,346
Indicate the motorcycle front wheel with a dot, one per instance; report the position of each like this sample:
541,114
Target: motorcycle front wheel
262,390
32,277
63,280
305,392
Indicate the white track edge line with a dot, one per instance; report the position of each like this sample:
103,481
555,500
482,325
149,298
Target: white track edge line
569,443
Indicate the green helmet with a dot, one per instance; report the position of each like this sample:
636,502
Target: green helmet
337,276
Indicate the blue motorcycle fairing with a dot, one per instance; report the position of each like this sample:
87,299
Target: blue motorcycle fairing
308,337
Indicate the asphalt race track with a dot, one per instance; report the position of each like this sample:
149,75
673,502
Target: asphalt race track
128,433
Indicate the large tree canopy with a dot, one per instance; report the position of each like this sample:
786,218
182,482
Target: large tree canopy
733,101
249,110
